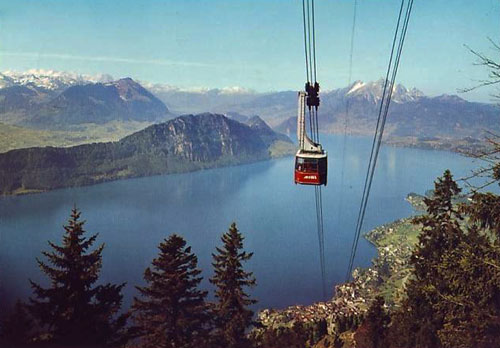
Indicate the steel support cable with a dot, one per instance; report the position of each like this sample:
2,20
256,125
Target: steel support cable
375,146
309,40
380,135
346,117
310,57
321,237
314,41
356,234
314,66
305,39
386,109
381,122
317,190
323,268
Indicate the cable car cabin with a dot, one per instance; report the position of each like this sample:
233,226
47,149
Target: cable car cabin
311,168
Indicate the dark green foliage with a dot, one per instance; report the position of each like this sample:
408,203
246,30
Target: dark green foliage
485,208
440,234
470,303
320,330
485,211
294,337
172,311
16,328
347,322
299,335
183,144
373,329
453,299
232,314
72,310
342,323
496,172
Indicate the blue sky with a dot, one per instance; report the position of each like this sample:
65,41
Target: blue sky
255,43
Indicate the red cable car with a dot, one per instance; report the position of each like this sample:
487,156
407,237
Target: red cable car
310,168
311,161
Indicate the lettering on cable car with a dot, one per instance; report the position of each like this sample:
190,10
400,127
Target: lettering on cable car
311,161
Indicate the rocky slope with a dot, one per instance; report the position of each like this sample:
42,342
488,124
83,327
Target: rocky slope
411,113
37,106
183,144
57,100
124,99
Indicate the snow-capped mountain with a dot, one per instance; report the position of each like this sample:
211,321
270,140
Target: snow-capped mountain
374,90
45,98
49,79
98,103
166,88
44,101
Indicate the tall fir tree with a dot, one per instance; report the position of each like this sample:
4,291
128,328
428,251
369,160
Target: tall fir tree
172,312
471,306
373,330
73,311
16,328
453,298
231,311
440,233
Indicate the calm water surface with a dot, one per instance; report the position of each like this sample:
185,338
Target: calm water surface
276,217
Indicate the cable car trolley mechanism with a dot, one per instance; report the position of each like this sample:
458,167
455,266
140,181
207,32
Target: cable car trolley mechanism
310,160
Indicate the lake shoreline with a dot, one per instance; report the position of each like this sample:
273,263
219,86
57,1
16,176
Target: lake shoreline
25,192
386,276
276,216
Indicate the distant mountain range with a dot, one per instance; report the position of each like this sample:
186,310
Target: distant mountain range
183,144
411,113
49,79
38,106
55,100
124,99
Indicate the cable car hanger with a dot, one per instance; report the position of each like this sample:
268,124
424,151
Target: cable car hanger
311,164
310,160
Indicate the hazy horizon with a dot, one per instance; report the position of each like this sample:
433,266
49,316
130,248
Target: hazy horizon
224,43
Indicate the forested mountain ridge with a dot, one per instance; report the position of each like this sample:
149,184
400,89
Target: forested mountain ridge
99,108
186,143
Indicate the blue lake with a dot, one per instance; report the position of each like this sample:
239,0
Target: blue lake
276,217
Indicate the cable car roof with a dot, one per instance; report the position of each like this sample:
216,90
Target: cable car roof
303,154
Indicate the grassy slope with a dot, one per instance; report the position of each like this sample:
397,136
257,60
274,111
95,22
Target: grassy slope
395,243
14,137
281,148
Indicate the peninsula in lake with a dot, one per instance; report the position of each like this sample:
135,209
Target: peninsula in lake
186,143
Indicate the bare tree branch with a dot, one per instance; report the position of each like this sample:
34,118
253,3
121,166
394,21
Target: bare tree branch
492,65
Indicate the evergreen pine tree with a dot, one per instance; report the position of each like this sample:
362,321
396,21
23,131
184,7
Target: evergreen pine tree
440,234
453,299
373,329
72,310
471,306
232,314
16,328
172,312
440,226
